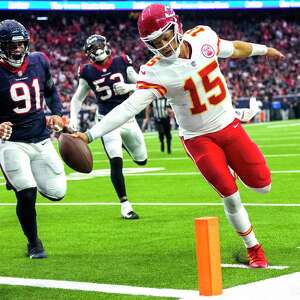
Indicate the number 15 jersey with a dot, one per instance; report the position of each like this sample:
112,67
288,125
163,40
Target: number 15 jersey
196,87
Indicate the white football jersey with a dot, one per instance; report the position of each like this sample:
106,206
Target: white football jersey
196,87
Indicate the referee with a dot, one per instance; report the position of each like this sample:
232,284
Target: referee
161,111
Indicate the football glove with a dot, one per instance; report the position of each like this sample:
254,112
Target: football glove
5,130
122,88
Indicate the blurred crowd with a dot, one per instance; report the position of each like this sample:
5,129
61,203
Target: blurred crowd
61,37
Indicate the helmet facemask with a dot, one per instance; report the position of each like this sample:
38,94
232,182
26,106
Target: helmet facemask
14,52
97,50
177,37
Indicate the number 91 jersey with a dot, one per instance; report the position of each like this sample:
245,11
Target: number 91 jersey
196,87
22,98
101,78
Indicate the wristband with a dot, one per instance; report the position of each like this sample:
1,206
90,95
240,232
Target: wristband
89,136
258,49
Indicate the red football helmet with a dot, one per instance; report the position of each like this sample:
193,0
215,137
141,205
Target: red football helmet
155,20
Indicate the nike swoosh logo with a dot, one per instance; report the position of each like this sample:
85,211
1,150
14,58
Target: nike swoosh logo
236,125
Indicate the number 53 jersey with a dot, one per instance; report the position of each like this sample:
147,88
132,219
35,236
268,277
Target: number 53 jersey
196,87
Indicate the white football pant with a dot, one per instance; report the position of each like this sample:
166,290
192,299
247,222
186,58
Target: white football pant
129,135
29,165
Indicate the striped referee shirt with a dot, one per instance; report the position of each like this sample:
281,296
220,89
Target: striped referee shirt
159,107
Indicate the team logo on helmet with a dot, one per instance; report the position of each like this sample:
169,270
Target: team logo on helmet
169,12
207,51
97,48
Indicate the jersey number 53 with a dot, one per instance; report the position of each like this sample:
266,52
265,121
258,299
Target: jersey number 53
106,90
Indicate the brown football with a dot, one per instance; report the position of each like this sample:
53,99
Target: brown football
75,153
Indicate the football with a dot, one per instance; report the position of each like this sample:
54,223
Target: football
75,153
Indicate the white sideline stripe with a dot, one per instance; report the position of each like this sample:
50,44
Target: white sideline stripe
283,287
239,266
156,204
97,287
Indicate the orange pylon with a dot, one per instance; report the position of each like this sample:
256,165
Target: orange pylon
208,256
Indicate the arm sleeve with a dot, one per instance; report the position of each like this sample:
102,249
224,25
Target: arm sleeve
226,48
122,113
77,99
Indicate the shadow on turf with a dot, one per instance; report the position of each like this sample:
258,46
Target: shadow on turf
240,258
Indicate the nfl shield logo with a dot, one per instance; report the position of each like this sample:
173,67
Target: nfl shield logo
20,73
207,51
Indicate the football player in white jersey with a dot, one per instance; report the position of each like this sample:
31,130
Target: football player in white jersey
185,68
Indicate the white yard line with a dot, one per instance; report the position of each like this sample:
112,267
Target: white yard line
239,266
155,204
142,172
186,158
283,287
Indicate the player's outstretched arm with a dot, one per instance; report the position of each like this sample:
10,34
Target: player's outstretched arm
244,49
119,115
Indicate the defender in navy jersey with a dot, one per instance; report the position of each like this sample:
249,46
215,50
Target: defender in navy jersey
112,79
27,156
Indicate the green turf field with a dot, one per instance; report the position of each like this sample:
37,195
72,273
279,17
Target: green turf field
90,243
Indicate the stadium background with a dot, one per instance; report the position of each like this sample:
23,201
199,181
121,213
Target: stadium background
61,36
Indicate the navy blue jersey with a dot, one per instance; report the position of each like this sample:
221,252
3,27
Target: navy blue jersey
22,92
101,79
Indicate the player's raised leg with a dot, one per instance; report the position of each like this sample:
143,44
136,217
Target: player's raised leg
48,171
246,159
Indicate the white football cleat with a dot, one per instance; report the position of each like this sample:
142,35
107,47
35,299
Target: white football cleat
127,212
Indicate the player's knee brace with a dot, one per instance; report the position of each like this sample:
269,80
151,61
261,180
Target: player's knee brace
141,163
263,190
232,203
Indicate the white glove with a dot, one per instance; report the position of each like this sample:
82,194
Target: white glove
246,114
122,88
73,124
5,130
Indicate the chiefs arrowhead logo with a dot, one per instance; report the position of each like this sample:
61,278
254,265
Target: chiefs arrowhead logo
169,12
207,51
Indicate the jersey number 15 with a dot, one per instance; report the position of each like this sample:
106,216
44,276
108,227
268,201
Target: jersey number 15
190,86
